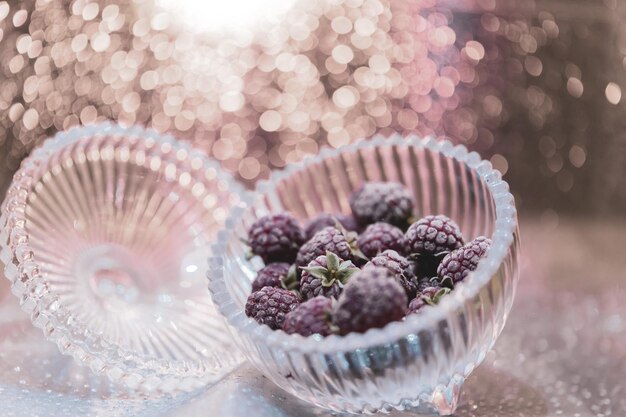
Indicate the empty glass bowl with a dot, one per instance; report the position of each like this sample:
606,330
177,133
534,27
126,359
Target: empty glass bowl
105,234
421,362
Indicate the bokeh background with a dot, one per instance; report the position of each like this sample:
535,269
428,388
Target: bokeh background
535,86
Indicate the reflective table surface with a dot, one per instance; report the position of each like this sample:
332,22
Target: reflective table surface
562,352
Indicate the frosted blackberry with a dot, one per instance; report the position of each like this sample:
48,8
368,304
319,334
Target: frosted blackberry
379,237
399,267
386,202
459,263
276,238
329,239
272,275
323,220
311,317
371,299
326,275
433,235
269,305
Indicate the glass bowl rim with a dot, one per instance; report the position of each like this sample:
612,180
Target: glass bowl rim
107,354
502,238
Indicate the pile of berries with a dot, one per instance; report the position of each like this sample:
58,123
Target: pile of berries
349,273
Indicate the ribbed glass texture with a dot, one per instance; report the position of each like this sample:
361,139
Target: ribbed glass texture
421,362
105,234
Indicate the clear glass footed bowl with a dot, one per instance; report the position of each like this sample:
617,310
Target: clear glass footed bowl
105,234
420,363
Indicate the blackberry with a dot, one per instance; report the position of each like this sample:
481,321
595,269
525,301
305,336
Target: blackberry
276,238
399,267
459,263
325,275
382,202
325,220
370,300
428,296
269,305
311,317
433,235
272,275
379,237
416,305
329,239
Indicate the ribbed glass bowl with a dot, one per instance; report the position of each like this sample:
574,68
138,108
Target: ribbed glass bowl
105,234
421,362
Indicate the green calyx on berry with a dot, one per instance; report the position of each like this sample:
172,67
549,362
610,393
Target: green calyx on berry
436,297
335,271
447,283
351,238
291,281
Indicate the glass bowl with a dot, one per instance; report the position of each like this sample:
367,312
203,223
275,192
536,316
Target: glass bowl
419,363
105,234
